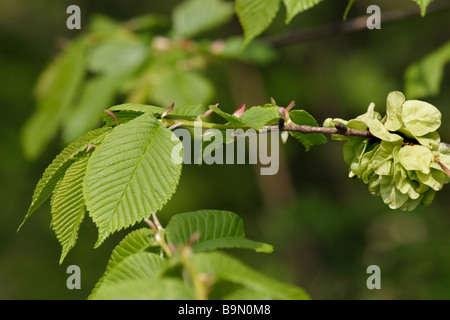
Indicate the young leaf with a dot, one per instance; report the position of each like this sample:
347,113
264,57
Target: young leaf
55,91
256,16
423,78
226,268
128,111
229,117
68,206
188,112
192,17
138,108
55,171
423,4
130,175
183,88
258,117
217,228
149,289
135,242
294,7
138,266
301,117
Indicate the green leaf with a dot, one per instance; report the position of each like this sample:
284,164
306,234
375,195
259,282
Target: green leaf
117,56
294,7
217,228
394,106
190,112
55,171
423,78
415,158
135,242
192,17
183,88
256,16
138,266
149,289
138,108
229,117
347,9
226,268
55,91
353,150
130,175
97,95
420,118
68,205
423,4
129,111
258,117
301,117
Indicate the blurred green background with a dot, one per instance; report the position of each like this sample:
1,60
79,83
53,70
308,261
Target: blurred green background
326,228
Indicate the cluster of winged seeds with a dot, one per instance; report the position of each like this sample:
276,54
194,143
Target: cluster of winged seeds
405,161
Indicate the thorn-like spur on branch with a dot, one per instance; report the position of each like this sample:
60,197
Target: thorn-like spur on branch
342,130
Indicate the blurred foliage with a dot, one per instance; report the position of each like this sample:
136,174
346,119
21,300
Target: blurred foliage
326,229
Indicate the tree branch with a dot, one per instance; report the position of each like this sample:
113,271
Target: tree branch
342,130
348,26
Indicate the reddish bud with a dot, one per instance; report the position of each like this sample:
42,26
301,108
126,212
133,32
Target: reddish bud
290,106
239,111
161,43
443,166
112,115
193,239
176,125
284,113
90,147
170,108
207,112
217,47
273,102
152,225
172,247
